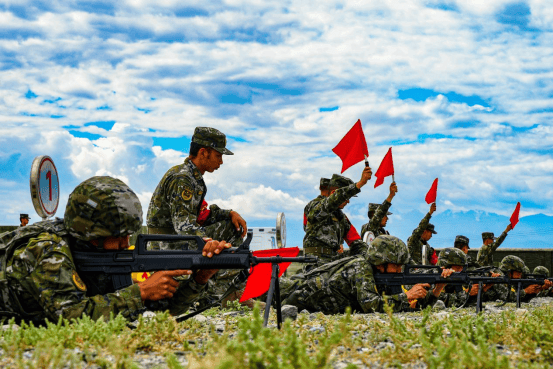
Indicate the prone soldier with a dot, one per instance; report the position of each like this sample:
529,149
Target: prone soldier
39,279
452,259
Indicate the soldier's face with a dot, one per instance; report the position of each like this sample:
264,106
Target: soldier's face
384,221
213,160
488,241
465,249
426,235
516,275
389,268
24,221
116,243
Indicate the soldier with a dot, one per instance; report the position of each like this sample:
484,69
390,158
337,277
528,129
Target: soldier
537,290
349,282
543,271
40,280
485,254
453,259
420,237
327,226
176,203
462,243
23,219
324,187
378,215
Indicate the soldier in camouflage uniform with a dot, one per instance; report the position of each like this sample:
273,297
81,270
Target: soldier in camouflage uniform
39,280
378,215
23,220
537,290
454,259
349,282
420,237
324,187
544,291
327,226
485,254
177,200
462,243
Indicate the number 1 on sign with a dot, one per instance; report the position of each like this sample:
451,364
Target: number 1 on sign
49,177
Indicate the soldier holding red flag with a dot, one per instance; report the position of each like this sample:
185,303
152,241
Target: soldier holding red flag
420,237
378,215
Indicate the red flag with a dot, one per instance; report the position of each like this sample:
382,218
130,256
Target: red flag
431,195
385,169
260,275
352,148
514,217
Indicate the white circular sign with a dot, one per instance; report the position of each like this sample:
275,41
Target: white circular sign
45,187
281,230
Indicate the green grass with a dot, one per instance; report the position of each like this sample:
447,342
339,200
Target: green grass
462,340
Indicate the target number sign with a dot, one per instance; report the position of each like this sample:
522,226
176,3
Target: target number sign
45,187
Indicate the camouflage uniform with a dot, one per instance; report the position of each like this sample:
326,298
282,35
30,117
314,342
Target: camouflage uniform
176,205
485,254
543,270
379,211
39,279
502,291
327,226
349,282
324,185
461,241
452,295
415,243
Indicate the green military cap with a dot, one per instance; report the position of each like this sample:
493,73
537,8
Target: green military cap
211,137
512,263
430,228
24,216
325,182
541,270
461,240
373,207
451,256
339,181
486,235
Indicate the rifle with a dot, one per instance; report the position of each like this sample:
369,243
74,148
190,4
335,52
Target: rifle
120,264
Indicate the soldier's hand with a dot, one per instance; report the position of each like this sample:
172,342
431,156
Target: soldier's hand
365,176
547,284
418,291
213,247
438,289
447,272
473,290
509,227
393,189
533,289
341,250
202,275
432,208
495,275
161,285
239,222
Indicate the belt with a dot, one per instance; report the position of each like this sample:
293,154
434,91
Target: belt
161,230
319,251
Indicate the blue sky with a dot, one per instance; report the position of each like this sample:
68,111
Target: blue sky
462,91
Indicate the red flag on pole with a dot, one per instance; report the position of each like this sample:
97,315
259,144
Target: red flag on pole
353,147
385,169
260,275
514,217
432,193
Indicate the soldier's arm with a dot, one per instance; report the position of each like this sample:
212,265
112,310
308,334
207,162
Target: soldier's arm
374,223
370,299
417,232
499,241
331,203
184,204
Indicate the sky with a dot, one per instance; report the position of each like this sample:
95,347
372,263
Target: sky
461,90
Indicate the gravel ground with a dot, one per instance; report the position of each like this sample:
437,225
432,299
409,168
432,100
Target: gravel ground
148,360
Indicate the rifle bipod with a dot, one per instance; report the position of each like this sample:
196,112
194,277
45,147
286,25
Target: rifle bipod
274,292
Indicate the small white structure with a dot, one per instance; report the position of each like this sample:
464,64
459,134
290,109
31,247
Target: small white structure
264,238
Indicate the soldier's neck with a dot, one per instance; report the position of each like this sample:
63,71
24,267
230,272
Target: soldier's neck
197,162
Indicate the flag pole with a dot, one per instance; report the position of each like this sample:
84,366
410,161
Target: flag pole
366,161
393,179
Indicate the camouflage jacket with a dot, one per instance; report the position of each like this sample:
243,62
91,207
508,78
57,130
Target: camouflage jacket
328,227
347,282
39,280
415,243
485,254
453,296
374,224
177,201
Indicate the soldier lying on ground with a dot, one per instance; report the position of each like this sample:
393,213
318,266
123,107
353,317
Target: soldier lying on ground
327,227
41,280
485,254
536,290
454,260
378,216
349,282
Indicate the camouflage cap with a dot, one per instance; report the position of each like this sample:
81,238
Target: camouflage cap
430,227
339,181
526,270
541,270
460,241
213,138
511,263
373,207
325,183
102,207
24,216
487,235
387,249
451,256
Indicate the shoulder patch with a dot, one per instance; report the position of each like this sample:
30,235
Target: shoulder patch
78,282
187,194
